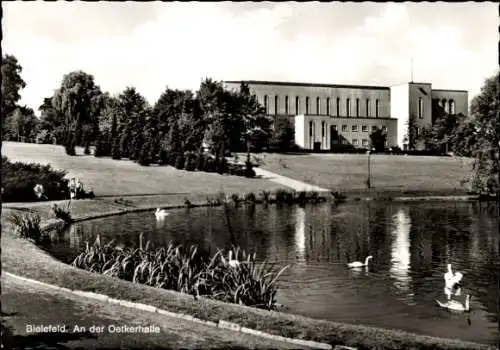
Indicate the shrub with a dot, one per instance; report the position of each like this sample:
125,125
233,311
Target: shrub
172,158
116,151
190,161
28,227
62,213
200,161
222,165
250,198
209,164
235,199
163,159
265,196
249,172
179,161
19,180
143,158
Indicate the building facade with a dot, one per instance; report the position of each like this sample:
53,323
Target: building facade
325,115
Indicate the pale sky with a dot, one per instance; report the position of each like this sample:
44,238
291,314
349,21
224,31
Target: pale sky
151,45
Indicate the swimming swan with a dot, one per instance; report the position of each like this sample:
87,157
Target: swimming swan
160,213
451,279
359,263
456,305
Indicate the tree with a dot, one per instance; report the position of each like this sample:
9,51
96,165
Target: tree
51,122
79,100
378,139
22,126
12,84
283,135
481,133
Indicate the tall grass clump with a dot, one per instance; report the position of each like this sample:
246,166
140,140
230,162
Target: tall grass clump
62,213
187,270
27,226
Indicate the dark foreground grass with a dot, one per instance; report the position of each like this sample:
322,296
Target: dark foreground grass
394,175
24,258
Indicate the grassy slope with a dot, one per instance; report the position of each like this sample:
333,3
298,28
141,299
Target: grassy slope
391,174
121,178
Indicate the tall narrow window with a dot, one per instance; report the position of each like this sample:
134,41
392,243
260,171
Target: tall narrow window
420,108
338,107
318,109
266,103
311,128
377,108
307,105
328,106
297,105
348,107
286,105
357,107
276,99
367,107
452,107
322,129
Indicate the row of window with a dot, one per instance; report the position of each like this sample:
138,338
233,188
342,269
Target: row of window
447,105
318,106
364,128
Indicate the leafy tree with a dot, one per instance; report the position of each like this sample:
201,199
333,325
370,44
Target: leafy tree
283,135
377,139
12,84
51,121
479,137
79,100
22,125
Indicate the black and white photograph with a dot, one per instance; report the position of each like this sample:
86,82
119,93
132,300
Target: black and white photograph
250,175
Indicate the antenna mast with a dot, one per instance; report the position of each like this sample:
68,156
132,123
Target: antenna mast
412,69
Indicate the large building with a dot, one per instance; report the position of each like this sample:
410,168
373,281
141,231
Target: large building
325,115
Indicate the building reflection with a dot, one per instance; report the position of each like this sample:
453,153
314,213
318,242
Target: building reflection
300,235
400,253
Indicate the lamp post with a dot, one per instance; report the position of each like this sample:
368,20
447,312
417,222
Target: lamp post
369,181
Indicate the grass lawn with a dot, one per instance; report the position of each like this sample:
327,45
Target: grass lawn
24,258
110,177
390,174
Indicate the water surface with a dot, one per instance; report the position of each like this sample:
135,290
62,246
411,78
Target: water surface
411,244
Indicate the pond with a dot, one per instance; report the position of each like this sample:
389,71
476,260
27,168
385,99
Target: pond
411,244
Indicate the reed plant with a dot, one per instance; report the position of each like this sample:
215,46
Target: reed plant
27,226
62,213
188,271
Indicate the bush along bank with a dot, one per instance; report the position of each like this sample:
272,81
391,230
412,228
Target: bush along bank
233,277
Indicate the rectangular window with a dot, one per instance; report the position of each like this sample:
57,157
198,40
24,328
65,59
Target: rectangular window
266,104
367,108
357,107
322,129
307,105
318,107
420,108
344,127
328,106
338,107
364,142
364,128
354,128
297,105
311,128
377,108
374,128
275,105
348,107
286,105
354,141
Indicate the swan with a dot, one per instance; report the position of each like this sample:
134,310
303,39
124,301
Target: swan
160,213
452,279
359,263
456,305
230,261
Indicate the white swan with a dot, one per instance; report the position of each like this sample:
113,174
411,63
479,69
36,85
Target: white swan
359,263
230,261
456,305
451,279
160,213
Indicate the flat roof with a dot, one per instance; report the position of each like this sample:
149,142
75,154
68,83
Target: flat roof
284,83
450,90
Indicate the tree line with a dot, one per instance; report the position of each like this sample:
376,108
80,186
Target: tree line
79,113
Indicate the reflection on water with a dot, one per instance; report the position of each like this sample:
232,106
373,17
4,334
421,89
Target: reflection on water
400,253
411,243
300,235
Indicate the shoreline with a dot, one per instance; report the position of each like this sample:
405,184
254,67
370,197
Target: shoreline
273,322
